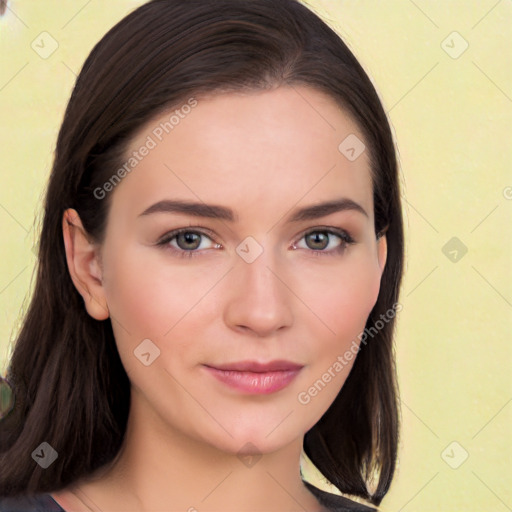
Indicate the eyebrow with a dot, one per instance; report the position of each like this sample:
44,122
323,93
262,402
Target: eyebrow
198,209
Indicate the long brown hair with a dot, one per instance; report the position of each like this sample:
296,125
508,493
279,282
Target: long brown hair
70,386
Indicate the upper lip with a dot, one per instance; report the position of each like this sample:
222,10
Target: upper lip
257,367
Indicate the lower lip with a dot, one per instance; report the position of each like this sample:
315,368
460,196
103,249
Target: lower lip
254,383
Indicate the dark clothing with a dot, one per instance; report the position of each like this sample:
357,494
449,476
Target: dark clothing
333,502
38,503
45,503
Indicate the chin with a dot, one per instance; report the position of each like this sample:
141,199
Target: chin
253,437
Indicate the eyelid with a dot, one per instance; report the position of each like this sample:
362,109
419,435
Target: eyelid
164,241
342,233
345,237
193,229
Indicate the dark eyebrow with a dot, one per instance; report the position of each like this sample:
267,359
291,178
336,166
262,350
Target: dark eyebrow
323,209
221,212
191,208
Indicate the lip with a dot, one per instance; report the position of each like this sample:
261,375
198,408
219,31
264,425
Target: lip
255,378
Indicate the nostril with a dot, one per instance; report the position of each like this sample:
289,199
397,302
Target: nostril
3,7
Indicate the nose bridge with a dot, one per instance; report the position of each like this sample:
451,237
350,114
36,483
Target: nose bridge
259,300
258,277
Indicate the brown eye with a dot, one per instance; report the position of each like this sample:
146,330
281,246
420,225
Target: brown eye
188,240
325,241
317,240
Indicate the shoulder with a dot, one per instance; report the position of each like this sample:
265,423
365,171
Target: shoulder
335,503
36,503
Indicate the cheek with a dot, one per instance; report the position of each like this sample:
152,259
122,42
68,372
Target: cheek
135,300
149,298
342,300
343,295
149,294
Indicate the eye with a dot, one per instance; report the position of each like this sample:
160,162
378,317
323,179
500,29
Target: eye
186,240
327,241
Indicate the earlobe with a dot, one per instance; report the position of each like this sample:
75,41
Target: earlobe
84,265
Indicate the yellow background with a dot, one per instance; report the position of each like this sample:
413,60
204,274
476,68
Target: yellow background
452,122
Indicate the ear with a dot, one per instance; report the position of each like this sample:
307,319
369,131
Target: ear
382,252
84,265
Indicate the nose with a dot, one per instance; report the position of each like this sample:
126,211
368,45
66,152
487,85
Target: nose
259,302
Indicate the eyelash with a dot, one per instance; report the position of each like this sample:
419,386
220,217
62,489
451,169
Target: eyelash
344,236
345,239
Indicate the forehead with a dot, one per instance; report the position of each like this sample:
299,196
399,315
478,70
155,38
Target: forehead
273,148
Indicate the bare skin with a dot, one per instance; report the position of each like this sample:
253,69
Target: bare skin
194,442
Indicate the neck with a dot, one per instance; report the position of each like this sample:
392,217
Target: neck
163,469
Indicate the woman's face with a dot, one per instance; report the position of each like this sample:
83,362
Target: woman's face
225,327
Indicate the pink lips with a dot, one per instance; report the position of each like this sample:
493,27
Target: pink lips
256,378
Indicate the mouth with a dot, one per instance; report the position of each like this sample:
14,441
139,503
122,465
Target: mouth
254,378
